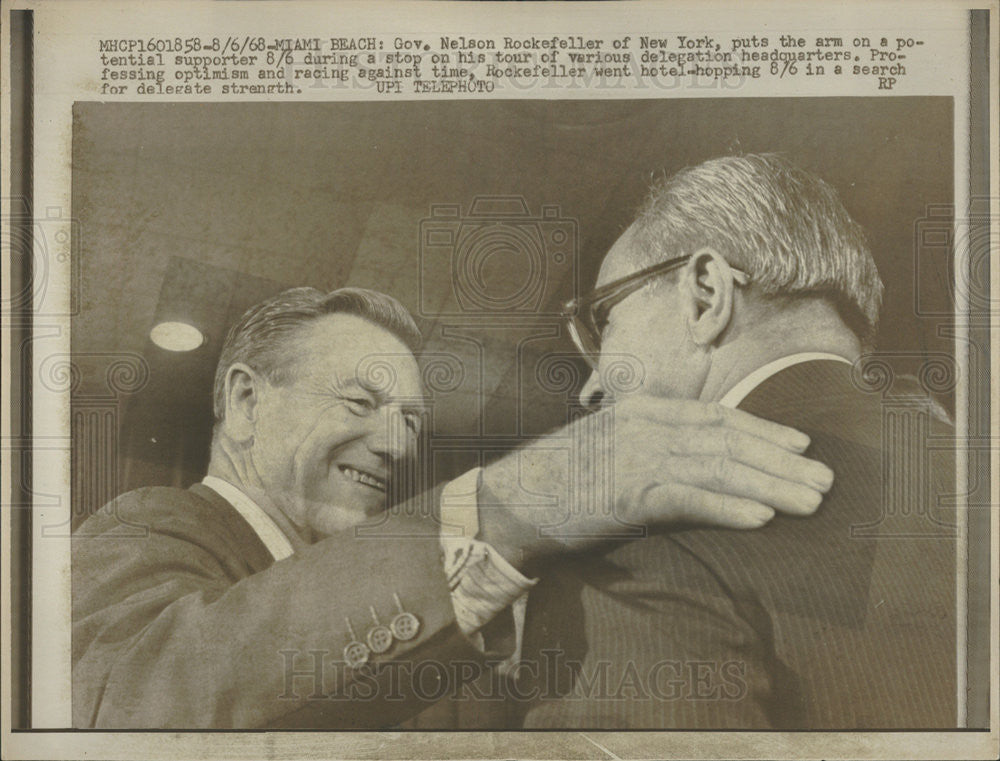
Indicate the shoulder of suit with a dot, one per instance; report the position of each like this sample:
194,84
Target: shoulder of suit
164,509
826,382
829,397
818,398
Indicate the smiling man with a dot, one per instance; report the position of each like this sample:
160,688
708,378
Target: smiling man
255,599
316,454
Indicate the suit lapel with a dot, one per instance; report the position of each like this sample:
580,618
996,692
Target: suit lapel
254,550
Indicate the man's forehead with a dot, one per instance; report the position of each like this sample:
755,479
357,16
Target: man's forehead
359,350
620,260
347,336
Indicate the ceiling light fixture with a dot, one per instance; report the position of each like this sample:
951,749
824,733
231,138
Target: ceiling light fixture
176,336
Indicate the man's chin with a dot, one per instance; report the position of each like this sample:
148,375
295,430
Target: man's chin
330,520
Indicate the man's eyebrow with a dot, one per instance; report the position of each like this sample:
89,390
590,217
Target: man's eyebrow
409,404
346,385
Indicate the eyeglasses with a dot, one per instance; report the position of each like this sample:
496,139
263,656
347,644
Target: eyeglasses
588,316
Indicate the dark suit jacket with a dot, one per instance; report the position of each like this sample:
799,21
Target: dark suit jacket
182,619
845,619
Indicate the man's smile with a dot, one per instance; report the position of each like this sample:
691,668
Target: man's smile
365,477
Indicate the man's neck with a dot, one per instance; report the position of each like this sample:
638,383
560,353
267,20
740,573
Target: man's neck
231,467
809,329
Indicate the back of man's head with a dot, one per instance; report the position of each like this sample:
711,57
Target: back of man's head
786,228
263,338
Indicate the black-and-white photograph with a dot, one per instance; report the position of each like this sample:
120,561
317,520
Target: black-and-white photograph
639,383
579,380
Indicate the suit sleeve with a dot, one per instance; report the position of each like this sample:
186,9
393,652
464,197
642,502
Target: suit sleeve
165,636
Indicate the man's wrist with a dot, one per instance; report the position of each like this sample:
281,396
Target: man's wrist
482,580
494,533
517,540
471,510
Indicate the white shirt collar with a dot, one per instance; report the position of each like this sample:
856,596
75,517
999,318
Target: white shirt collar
741,390
262,523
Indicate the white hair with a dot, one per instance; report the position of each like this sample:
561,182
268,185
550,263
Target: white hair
783,226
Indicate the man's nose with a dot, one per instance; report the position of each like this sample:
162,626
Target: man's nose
389,435
591,394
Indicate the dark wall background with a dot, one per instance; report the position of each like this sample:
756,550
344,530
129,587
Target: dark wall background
200,210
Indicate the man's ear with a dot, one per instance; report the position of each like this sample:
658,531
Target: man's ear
708,284
243,385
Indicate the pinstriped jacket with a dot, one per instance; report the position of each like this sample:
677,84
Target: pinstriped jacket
842,620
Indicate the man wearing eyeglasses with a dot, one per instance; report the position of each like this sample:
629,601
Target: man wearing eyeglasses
744,282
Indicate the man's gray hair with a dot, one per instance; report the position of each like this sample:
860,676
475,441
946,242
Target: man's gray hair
783,226
261,339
